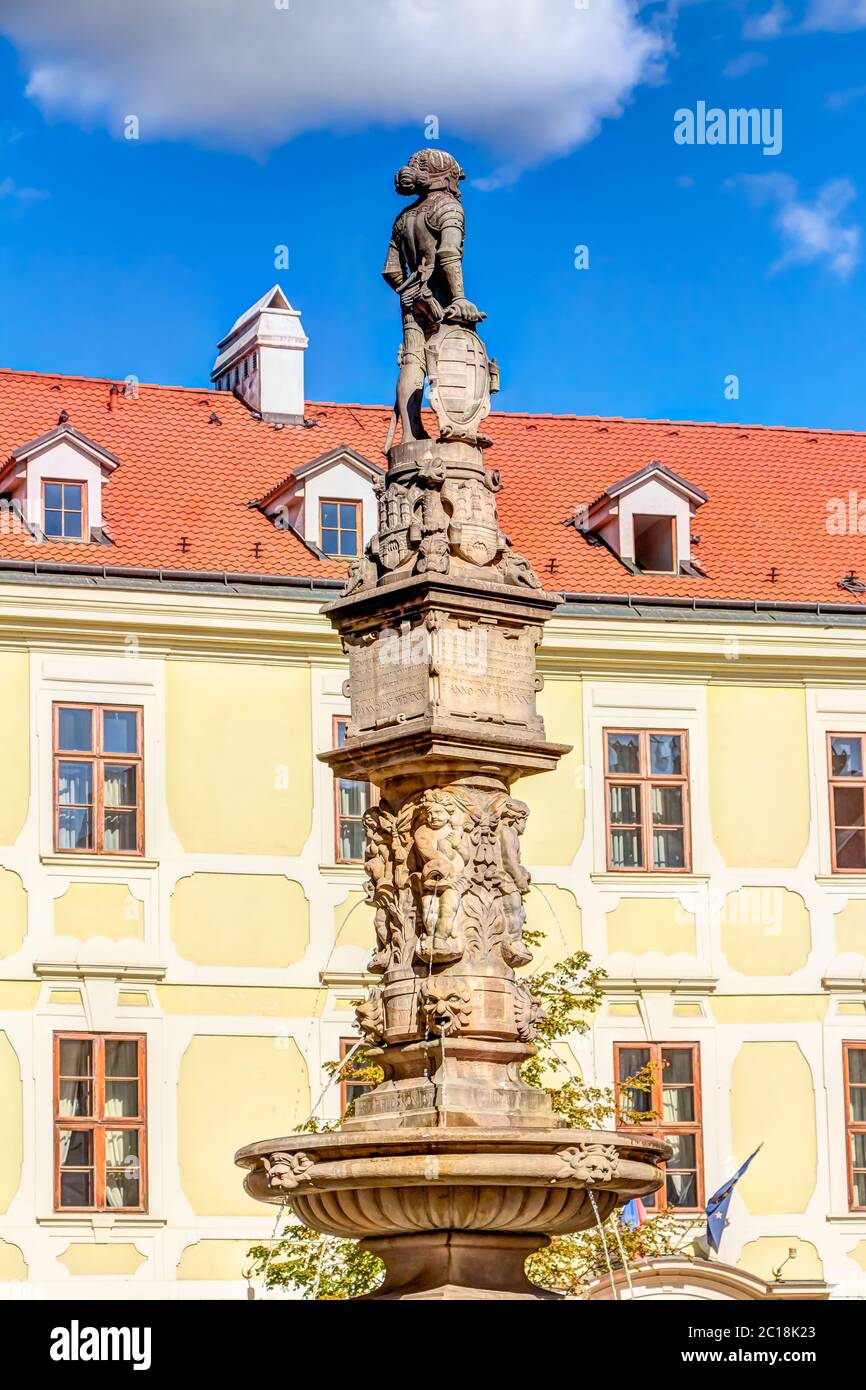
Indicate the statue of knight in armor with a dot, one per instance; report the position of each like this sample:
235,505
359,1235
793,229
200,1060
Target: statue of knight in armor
424,266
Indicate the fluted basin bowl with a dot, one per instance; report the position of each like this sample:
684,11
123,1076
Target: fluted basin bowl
405,1182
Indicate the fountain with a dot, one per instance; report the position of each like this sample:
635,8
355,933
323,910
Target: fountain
452,1169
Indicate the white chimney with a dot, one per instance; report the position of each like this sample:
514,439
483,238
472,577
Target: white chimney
262,359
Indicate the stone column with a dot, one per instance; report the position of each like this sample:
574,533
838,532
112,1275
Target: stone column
443,688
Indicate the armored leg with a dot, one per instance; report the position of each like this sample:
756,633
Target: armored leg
410,384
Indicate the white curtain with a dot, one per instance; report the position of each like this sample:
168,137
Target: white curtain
121,1187
114,1108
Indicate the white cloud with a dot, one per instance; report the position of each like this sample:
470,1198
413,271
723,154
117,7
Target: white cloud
840,16
528,79
744,64
20,198
769,24
811,232
837,101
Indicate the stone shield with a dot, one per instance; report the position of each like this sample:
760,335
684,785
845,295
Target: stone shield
474,530
459,373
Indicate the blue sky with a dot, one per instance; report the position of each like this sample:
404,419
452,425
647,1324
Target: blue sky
134,256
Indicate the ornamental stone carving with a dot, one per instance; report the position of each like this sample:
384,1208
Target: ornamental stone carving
591,1163
362,575
438,662
516,569
445,880
446,1003
442,852
438,513
528,1014
286,1171
514,879
371,1017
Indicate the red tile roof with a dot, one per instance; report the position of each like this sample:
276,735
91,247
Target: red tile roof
181,497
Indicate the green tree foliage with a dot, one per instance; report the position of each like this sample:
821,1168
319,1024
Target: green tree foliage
323,1267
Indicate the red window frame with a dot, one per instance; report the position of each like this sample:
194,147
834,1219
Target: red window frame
349,1084
644,781
98,758
657,1126
340,725
852,1126
848,783
63,484
97,1123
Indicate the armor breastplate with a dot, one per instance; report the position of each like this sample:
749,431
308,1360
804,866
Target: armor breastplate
416,240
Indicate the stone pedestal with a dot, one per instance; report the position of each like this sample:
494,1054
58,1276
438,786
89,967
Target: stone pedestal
453,1267
458,1081
453,1168
443,687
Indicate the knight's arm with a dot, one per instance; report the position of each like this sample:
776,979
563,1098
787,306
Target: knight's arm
451,227
392,272
451,251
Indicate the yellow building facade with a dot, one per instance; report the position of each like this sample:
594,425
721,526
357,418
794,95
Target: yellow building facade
235,945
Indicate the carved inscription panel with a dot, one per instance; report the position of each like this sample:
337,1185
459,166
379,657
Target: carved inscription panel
387,683
487,672
470,668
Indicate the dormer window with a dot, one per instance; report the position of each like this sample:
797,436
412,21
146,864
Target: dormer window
646,520
64,510
655,544
329,502
56,483
340,526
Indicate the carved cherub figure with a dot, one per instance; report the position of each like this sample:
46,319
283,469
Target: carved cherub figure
424,265
443,852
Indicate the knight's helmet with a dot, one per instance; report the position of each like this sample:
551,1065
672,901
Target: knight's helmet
429,171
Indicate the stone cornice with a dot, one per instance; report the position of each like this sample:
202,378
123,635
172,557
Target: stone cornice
346,979
718,650
256,628
265,624
670,984
140,972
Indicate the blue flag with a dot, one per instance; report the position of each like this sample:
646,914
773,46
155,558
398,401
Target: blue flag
634,1214
717,1206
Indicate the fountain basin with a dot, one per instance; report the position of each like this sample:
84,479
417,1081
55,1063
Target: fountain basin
399,1182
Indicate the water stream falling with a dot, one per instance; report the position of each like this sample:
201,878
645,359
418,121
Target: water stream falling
600,1224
